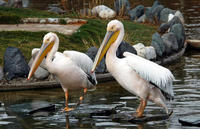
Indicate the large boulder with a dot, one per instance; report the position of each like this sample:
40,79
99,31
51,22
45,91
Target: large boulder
153,13
1,73
122,6
179,31
150,53
158,44
56,10
101,68
165,26
140,48
3,3
171,44
103,11
14,64
125,47
136,12
165,13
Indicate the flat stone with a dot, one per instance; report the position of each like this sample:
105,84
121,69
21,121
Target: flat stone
120,117
53,20
189,122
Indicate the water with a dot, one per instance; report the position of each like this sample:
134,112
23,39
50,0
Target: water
14,112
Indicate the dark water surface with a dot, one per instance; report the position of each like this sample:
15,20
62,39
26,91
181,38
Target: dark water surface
14,113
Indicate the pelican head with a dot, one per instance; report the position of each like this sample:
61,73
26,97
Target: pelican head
49,41
114,28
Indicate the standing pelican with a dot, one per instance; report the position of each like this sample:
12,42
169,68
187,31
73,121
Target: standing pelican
73,69
137,75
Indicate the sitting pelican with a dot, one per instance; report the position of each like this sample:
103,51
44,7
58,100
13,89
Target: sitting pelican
73,69
137,75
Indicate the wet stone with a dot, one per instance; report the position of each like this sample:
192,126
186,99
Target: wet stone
14,64
43,110
128,117
185,122
94,111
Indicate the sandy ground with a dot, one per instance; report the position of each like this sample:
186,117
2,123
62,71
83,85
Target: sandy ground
64,29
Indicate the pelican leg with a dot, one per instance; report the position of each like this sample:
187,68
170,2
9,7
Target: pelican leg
81,98
140,109
67,109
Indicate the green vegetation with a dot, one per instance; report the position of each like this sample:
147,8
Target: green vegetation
26,13
90,34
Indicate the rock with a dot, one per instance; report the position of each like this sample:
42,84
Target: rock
180,16
153,13
125,47
165,26
43,21
179,31
170,42
1,73
53,20
140,48
3,3
165,13
25,3
158,44
150,53
122,7
141,19
189,122
14,64
103,11
15,3
56,10
136,12
101,68
46,108
107,13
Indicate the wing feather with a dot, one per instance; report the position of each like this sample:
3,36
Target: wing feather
82,61
151,72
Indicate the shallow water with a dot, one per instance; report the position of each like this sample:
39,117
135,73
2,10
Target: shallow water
14,112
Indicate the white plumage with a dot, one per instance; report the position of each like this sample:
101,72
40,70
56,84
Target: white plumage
137,75
151,72
71,68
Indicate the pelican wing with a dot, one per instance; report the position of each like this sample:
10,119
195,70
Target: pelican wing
84,62
152,72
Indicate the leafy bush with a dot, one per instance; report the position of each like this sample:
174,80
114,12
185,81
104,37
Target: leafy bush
9,19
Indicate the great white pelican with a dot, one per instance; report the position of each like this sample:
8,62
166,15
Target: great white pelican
72,68
137,75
